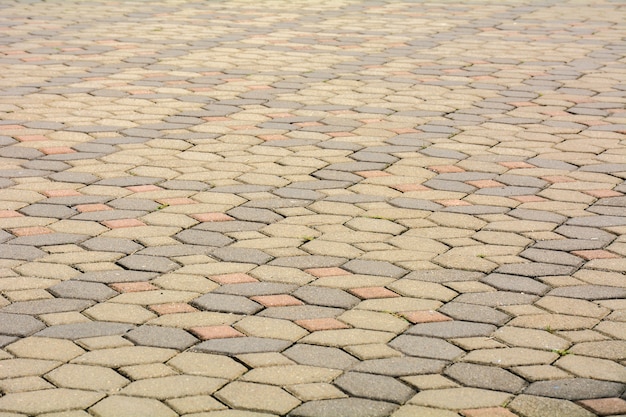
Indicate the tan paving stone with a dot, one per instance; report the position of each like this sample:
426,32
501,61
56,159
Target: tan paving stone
173,386
119,405
257,397
123,313
203,364
459,398
117,357
152,370
45,348
373,320
91,378
315,391
270,328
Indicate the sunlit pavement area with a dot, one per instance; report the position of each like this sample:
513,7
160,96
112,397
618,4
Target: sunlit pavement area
328,208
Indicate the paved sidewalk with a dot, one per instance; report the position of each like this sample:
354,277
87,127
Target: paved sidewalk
327,208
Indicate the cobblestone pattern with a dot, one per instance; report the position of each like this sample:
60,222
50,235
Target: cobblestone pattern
329,208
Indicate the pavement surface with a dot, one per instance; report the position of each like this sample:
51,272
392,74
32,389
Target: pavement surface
331,209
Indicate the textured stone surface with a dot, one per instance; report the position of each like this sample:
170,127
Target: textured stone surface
312,208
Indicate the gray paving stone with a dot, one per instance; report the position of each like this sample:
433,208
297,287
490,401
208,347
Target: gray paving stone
322,356
590,292
308,261
585,233
82,290
570,244
75,331
345,407
538,406
204,238
227,303
50,305
19,325
515,283
241,345
597,221
444,275
413,203
452,329
250,289
327,297
575,389
475,313
375,387
536,269
487,377
163,337
20,252
108,244
426,347
380,268
49,239
48,210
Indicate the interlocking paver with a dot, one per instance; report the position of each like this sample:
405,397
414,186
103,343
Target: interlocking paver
370,194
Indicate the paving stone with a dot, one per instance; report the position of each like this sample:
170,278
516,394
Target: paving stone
426,347
451,329
148,263
87,377
535,406
118,405
161,337
242,345
475,313
328,297
320,356
575,389
117,275
515,283
486,377
83,330
376,387
257,397
53,305
82,290
215,366
19,324
348,407
380,268
595,368
460,398
227,303
49,400
400,366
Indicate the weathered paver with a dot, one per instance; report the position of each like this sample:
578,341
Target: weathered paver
381,208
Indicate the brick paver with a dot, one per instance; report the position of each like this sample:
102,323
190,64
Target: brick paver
330,208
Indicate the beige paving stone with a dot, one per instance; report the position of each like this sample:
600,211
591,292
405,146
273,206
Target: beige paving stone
47,270
24,384
315,391
215,268
459,398
45,348
124,356
49,400
290,375
92,378
123,406
257,397
595,368
259,360
27,295
270,328
347,337
531,338
103,342
416,410
540,372
398,304
373,320
270,273
194,319
152,370
421,289
25,283
353,281
153,297
122,313
372,351
216,366
572,306
477,343
173,386
195,404
554,322
184,282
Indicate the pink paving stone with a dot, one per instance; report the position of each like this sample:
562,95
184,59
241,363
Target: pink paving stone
133,286
424,316
528,198
453,203
31,231
488,412
410,187
172,308
143,188
328,323
554,179
373,174
444,169
603,193
595,254
31,138
373,292
212,217
333,271
485,183
215,332
88,208
605,406
121,223
61,193
5,214
278,300
177,201
236,278
11,127
308,124
57,150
